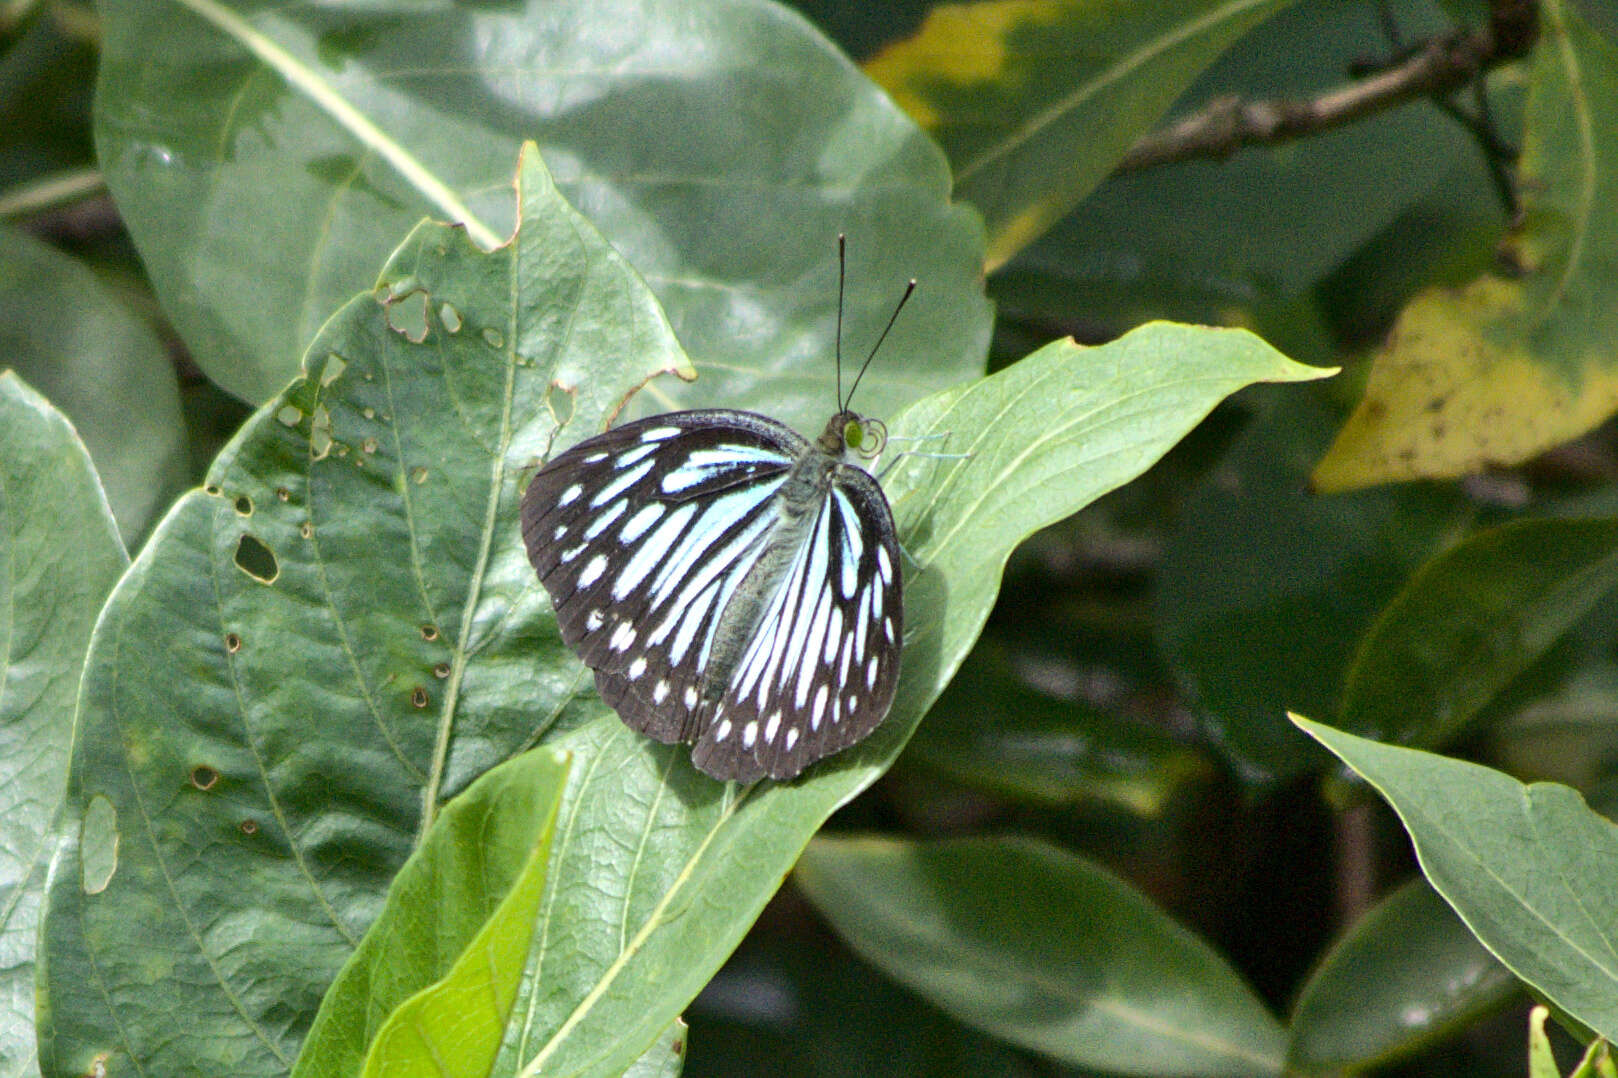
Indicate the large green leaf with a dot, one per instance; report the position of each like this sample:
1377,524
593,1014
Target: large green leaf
1522,358
1045,949
63,331
362,635
339,632
1404,974
1036,100
267,156
1528,868
429,987
1470,621
50,593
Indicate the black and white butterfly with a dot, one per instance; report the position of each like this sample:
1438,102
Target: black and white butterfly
730,582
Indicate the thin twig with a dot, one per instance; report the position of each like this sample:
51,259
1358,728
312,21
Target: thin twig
1443,65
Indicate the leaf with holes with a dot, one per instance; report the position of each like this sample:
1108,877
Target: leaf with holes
334,636
268,749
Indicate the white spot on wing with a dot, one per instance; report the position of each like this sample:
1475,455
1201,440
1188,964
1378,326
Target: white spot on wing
792,737
637,668
690,696
604,521
723,731
593,621
660,691
570,495
820,708
658,434
773,725
592,571
622,637
749,733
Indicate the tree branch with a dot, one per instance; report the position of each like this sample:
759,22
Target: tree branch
1437,69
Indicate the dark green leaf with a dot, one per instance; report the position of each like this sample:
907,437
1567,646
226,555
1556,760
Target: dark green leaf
1266,587
1404,974
1045,949
1470,621
64,332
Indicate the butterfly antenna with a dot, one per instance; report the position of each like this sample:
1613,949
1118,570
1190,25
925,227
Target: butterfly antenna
909,290
842,244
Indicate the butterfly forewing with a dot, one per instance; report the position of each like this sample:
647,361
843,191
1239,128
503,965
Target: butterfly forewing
638,535
646,536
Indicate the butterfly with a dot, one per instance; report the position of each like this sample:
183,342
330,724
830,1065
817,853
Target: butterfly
731,583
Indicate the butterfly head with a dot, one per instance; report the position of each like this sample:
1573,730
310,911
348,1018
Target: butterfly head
853,438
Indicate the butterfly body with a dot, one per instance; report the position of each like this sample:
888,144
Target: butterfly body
731,583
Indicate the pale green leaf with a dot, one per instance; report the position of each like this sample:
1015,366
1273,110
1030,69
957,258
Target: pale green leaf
50,593
1528,868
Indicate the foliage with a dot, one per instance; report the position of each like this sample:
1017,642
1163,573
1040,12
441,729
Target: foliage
319,788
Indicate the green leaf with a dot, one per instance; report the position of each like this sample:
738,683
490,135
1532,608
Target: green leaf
457,924
1470,621
1516,361
665,1058
1405,974
50,594
1041,439
81,348
721,147
1528,868
274,780
333,637
1266,587
1035,102
1045,949
992,730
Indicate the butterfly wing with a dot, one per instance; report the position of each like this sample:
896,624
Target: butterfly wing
641,535
820,671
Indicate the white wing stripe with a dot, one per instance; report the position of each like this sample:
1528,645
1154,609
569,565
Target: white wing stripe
619,485
652,551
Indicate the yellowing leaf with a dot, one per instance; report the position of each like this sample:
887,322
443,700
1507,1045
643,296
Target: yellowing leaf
1035,101
1505,367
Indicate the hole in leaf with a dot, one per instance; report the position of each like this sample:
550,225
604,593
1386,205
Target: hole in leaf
256,560
494,338
233,643
283,494
98,845
442,670
418,696
244,505
307,530
450,317
369,445
429,632
289,415
211,491
332,369
320,433
249,826
203,777
419,474
407,315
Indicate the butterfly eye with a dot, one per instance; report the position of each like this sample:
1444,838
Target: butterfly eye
853,434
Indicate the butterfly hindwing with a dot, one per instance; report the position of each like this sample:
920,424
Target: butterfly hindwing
820,672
